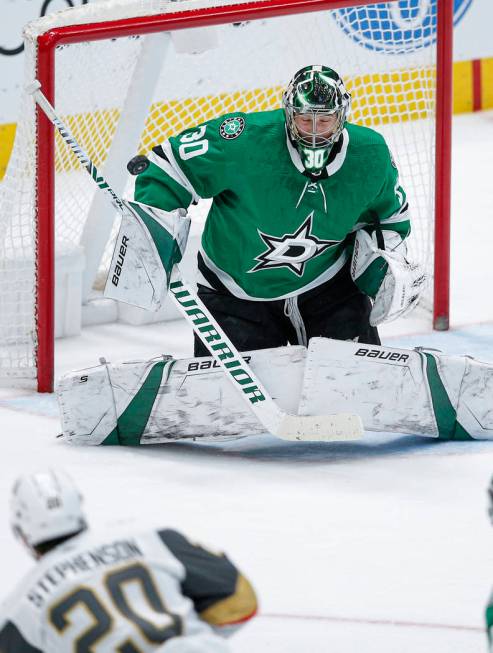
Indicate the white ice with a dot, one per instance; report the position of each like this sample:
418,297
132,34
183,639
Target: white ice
381,546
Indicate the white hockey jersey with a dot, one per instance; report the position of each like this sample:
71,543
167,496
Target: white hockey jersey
131,593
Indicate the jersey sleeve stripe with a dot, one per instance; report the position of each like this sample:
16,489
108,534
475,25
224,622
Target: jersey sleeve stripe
402,215
170,166
154,187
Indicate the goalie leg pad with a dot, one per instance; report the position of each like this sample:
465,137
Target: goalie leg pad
163,400
418,392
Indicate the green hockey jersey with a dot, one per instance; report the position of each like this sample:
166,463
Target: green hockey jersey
273,232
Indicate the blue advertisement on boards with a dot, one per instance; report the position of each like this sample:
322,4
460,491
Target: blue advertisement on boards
397,26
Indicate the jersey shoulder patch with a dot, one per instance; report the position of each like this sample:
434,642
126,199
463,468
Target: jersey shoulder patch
232,127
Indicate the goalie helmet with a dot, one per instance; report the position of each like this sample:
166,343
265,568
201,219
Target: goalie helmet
45,506
316,105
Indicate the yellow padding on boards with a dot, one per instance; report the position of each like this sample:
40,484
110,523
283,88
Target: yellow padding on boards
7,135
94,131
463,91
167,119
401,95
378,98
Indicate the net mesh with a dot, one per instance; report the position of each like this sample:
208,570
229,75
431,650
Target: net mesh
384,52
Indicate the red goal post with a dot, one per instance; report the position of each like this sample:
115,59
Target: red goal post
178,16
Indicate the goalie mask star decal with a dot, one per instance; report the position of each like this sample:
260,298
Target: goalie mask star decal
291,251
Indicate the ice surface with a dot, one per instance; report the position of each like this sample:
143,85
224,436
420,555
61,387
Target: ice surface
381,546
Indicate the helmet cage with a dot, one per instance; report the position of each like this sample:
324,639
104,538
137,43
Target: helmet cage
316,91
314,137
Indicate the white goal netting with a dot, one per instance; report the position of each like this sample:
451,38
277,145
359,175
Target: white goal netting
124,95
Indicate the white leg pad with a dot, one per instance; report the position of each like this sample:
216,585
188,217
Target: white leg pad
475,411
87,407
420,392
165,400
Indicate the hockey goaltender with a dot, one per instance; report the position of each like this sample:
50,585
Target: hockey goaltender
303,254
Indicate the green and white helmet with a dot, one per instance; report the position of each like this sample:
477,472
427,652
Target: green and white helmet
315,91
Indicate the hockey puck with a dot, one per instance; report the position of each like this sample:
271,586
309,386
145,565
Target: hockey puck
138,164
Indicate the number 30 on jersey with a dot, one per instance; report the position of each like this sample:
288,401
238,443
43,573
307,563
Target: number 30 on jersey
193,143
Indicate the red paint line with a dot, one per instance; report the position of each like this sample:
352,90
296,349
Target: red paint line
477,86
372,622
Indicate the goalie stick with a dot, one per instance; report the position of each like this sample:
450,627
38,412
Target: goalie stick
340,426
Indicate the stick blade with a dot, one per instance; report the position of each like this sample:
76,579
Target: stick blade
320,428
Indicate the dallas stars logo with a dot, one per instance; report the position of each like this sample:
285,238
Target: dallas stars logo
232,127
291,251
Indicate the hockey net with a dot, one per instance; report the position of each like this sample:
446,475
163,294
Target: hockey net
124,85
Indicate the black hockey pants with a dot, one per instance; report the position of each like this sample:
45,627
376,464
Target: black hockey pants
336,309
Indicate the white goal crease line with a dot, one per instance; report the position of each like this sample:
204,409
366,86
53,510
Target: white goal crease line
371,622
21,404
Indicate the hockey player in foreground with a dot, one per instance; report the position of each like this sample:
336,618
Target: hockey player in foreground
134,593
